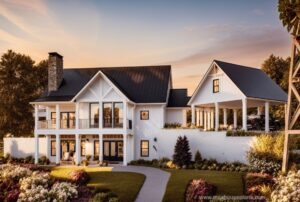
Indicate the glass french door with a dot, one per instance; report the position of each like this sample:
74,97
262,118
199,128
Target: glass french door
67,146
113,150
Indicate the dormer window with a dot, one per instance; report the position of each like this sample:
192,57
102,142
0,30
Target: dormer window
216,86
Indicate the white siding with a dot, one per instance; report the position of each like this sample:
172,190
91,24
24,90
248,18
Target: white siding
175,115
228,90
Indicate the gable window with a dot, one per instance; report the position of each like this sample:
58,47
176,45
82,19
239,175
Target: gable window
216,86
144,148
53,148
144,115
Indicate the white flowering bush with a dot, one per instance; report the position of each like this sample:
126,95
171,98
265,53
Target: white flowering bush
287,188
36,194
35,180
63,191
14,172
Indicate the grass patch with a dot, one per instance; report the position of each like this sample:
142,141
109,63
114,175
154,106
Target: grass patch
125,184
228,183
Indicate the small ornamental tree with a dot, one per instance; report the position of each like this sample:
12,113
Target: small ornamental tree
182,155
198,157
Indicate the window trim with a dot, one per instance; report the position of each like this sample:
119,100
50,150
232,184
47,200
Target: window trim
216,85
141,115
52,147
141,148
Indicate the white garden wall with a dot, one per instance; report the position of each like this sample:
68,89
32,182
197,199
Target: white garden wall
23,147
210,144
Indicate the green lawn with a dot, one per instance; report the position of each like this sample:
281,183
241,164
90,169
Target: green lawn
228,183
125,184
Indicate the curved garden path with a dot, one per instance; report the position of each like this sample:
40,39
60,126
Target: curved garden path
155,184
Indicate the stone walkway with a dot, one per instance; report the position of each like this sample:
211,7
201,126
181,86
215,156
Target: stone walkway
155,183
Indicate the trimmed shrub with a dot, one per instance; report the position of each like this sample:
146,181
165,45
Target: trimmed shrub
79,177
198,189
198,157
182,155
105,197
43,160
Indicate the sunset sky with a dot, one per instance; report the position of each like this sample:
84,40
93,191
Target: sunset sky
185,34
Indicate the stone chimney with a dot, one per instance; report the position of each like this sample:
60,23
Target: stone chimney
55,71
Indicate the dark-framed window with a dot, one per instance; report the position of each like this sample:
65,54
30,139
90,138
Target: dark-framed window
67,119
216,85
144,114
112,114
82,147
144,148
53,147
96,148
94,115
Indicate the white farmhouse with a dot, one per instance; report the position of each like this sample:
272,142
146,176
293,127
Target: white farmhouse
118,114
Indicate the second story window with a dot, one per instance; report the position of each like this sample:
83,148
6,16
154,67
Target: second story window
216,86
67,120
144,115
112,115
94,115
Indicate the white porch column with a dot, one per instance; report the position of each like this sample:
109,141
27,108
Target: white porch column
197,117
267,117
36,116
217,116
193,115
125,116
225,117
208,120
36,154
77,149
57,110
100,115
212,119
125,149
36,136
201,117
101,148
244,103
57,159
234,118
77,115
48,143
205,120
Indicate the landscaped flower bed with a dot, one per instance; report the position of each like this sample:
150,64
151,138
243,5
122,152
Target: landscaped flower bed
287,188
18,183
198,190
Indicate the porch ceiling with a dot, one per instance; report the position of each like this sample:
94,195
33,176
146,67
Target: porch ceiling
237,104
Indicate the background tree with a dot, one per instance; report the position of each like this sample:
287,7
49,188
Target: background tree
21,82
182,155
277,69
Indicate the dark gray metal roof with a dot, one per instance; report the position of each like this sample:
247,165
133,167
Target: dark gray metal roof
147,84
178,98
253,82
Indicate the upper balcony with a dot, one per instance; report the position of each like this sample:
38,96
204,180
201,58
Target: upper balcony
85,115
84,124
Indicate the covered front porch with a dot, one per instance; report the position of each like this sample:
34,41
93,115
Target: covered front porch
207,115
73,148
